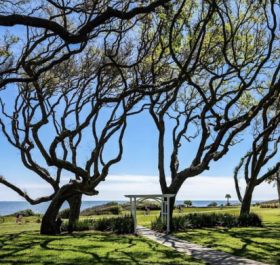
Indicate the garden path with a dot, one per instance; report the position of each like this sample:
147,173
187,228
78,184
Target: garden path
196,251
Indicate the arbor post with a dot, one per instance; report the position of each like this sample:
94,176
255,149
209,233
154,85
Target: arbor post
164,199
168,215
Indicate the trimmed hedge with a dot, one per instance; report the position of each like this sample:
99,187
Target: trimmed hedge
203,220
119,225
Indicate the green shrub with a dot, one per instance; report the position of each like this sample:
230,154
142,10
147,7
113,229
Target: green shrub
118,225
212,204
108,208
228,220
152,205
181,223
102,224
122,225
269,205
64,214
201,220
157,224
117,209
250,219
25,213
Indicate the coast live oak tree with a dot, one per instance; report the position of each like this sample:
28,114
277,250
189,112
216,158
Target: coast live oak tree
224,52
81,105
38,35
266,138
51,30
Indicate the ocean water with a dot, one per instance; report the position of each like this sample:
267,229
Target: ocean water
10,207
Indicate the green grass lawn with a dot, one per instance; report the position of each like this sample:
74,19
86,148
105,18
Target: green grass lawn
261,244
22,244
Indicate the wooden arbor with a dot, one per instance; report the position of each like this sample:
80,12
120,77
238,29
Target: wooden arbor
162,198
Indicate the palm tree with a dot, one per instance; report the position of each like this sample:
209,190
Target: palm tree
228,197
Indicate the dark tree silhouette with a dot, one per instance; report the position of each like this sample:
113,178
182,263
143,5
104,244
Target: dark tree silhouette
275,179
228,71
264,147
76,100
41,34
44,58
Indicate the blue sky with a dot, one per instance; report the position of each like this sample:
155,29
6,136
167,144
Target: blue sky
137,172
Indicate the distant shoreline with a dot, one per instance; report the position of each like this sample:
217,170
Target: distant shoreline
10,207
269,202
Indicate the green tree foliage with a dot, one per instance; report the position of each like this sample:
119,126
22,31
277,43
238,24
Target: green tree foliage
188,203
223,71
264,147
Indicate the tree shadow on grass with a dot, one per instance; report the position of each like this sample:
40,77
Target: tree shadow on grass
261,244
85,248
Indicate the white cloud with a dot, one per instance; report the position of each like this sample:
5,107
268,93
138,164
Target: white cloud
116,186
197,188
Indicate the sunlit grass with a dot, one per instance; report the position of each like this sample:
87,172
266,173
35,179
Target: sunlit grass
22,244
261,244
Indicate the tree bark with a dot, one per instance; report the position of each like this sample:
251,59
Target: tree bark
48,226
171,207
74,188
247,199
75,202
278,188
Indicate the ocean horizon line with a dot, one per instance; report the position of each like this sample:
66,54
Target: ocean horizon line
257,200
12,207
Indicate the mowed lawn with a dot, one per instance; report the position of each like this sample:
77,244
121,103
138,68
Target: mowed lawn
261,244
22,244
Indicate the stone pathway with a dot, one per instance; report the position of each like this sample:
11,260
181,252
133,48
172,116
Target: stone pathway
199,252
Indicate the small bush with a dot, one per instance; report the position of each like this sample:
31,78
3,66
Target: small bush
250,219
202,220
122,225
181,223
212,204
228,220
108,208
141,205
64,214
118,225
270,205
157,224
102,224
25,213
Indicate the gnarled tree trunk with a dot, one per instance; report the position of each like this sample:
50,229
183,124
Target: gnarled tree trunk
72,189
247,198
75,202
278,188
